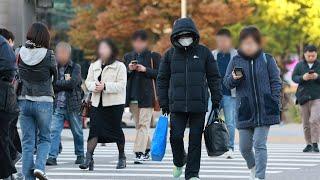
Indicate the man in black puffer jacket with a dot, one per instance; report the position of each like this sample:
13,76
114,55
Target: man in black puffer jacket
185,73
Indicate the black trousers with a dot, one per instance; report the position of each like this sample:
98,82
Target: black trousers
6,166
178,123
15,145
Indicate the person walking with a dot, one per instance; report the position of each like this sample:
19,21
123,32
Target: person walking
15,145
38,71
142,65
107,80
223,55
306,74
256,77
186,71
68,99
8,107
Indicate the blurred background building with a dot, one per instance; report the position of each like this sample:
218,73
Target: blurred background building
17,15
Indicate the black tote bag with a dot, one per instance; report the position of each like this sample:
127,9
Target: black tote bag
216,135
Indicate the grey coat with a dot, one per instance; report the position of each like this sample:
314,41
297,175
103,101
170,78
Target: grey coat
258,93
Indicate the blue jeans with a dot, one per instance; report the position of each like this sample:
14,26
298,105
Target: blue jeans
34,117
229,105
255,138
59,115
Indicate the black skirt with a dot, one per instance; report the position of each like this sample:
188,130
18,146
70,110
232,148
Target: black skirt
105,123
6,166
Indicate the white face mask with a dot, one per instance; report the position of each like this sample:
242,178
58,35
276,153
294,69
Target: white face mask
185,41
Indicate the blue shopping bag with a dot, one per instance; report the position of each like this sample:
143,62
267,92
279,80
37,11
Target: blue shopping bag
159,140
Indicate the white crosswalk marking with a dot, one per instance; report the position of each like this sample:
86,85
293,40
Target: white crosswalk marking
282,158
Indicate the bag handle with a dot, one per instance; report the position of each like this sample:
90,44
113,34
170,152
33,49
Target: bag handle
214,116
153,81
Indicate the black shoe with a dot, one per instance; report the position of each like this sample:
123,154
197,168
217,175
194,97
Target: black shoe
315,147
146,156
308,148
139,158
51,161
88,163
121,163
79,160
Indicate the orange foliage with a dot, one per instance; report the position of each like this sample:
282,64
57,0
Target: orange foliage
118,19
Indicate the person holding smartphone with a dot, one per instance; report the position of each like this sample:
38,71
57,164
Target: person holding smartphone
142,65
306,74
256,77
67,104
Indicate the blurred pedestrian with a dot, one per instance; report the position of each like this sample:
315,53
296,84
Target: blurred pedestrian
67,104
186,71
8,35
38,71
107,80
15,145
256,77
306,74
223,55
142,65
8,107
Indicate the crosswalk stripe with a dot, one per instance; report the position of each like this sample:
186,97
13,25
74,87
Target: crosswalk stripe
233,163
139,175
282,158
204,167
163,170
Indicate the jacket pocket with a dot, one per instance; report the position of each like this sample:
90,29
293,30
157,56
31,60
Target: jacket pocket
271,106
244,111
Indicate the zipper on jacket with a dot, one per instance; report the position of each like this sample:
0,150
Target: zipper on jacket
255,92
186,79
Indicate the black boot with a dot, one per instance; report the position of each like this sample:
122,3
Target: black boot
308,148
88,163
122,162
315,147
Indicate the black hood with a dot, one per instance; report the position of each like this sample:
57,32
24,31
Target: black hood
184,25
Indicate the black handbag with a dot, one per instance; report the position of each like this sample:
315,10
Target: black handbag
216,135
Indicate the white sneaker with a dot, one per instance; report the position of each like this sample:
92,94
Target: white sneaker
258,179
229,154
252,173
40,174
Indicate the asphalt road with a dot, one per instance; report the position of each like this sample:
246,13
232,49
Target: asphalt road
286,161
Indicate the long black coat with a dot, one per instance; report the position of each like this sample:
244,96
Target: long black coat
8,106
146,92
185,73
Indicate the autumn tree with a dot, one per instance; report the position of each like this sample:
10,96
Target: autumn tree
287,25
118,19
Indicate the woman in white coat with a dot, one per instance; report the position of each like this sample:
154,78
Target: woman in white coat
107,79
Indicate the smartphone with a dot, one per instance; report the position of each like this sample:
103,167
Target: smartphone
134,62
311,71
67,76
238,71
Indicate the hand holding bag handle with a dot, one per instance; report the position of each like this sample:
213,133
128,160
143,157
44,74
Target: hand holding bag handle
156,104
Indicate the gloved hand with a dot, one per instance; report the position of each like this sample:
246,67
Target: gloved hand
165,110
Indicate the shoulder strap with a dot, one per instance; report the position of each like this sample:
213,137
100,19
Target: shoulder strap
153,81
265,58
